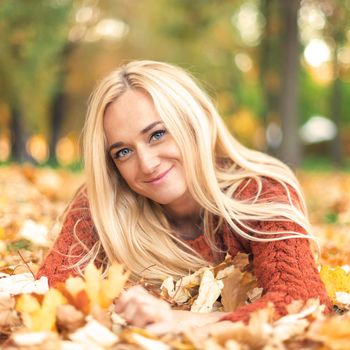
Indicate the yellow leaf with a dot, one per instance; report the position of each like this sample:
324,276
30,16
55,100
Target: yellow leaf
113,284
93,281
46,319
27,303
38,317
74,285
2,233
335,280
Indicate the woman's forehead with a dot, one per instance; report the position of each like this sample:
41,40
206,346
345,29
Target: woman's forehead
133,113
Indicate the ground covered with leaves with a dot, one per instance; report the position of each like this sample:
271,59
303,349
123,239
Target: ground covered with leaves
78,314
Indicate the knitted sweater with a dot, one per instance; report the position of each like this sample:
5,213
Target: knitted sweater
285,269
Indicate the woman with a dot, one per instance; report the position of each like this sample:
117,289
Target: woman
169,190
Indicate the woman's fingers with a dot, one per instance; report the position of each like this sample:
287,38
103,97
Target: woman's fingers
130,312
140,308
132,294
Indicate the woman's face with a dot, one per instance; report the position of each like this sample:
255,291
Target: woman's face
143,151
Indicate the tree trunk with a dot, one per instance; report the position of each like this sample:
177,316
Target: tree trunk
291,147
265,66
57,110
335,112
55,125
18,137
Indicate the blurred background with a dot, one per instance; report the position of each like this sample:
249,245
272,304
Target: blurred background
278,70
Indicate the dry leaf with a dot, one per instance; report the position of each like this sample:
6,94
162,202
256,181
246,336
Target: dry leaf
335,280
74,285
112,286
209,291
82,302
343,300
9,321
69,318
94,334
40,317
334,332
37,340
144,340
23,283
178,292
236,288
102,316
93,279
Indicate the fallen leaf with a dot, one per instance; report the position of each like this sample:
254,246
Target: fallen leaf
40,317
93,333
209,291
112,286
69,318
335,280
23,283
236,288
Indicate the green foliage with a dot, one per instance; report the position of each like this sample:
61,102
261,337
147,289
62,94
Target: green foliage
33,35
314,98
199,35
331,218
18,245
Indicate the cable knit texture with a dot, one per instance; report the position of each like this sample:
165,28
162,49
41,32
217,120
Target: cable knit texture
286,269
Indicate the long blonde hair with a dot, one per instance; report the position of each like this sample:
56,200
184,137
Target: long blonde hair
133,229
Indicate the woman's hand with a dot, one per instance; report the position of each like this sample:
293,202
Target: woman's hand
141,309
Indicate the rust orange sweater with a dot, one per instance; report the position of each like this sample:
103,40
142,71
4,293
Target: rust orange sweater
286,269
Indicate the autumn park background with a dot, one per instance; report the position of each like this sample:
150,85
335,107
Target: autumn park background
278,70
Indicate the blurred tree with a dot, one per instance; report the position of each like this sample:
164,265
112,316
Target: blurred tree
290,147
325,77
338,15
33,34
279,70
269,64
246,51
203,36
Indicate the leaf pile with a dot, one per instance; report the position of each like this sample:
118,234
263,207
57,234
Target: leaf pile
78,313
200,291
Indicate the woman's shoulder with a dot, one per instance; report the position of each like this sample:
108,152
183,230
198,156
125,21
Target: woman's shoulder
77,216
79,199
78,207
263,188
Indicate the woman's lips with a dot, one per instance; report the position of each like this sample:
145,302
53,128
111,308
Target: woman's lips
160,177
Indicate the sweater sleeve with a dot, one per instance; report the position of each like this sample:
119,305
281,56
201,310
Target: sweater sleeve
76,238
286,270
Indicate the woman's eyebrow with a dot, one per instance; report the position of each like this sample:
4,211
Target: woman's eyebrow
149,127
143,131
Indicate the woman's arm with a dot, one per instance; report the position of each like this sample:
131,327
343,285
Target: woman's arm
77,236
286,269
141,309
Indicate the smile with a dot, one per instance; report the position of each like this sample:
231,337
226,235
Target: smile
160,177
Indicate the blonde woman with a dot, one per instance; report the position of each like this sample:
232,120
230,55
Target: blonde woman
169,190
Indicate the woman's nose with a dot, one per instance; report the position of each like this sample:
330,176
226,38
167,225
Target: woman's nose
148,162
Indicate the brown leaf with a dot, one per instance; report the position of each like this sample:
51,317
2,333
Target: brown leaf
69,318
102,316
236,287
9,321
82,302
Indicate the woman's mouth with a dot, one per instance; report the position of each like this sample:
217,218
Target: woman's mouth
160,177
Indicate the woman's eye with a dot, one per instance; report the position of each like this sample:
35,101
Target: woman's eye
157,135
122,153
